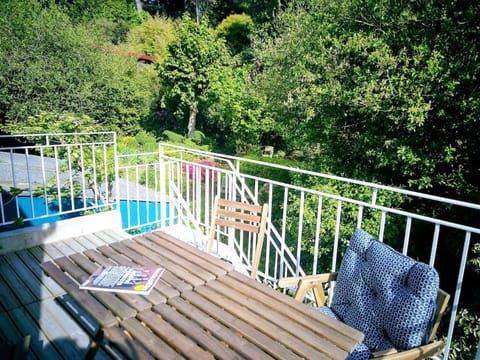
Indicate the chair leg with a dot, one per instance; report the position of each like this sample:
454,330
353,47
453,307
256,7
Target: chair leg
92,351
18,350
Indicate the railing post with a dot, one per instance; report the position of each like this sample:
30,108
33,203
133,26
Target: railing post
117,173
163,175
456,297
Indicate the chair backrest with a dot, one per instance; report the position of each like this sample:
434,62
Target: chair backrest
386,295
242,217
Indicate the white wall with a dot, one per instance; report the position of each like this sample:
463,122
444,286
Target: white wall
46,233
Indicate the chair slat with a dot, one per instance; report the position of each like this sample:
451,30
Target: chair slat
239,215
238,225
239,205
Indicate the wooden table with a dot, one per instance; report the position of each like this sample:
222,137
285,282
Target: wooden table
200,308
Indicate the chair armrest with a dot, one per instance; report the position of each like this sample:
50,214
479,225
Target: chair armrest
421,352
310,282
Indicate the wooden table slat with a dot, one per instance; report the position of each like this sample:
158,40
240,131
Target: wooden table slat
276,315
197,252
193,330
63,248
156,346
178,270
257,337
190,256
78,312
110,255
297,316
8,300
95,308
52,324
33,264
27,325
277,332
11,277
225,334
173,336
332,323
138,258
76,245
166,253
8,331
128,346
51,251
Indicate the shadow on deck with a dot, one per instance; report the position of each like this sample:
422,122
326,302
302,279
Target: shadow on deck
33,304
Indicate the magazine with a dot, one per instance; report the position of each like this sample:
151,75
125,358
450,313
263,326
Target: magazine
121,278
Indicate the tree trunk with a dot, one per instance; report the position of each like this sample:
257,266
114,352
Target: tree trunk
192,119
139,5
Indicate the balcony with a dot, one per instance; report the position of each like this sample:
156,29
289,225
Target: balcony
80,187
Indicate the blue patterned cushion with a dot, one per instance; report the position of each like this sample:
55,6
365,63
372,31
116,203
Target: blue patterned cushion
361,352
386,295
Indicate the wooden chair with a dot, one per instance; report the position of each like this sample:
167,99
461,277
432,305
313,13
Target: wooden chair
240,217
318,285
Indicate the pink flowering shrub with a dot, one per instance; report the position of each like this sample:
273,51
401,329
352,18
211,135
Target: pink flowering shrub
204,168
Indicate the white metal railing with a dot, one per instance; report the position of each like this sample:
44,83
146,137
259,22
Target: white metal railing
55,175
309,227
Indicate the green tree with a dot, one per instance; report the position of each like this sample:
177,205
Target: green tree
236,30
261,11
46,64
152,37
232,113
194,58
377,84
112,17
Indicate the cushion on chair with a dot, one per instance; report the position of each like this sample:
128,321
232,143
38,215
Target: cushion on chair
361,351
386,295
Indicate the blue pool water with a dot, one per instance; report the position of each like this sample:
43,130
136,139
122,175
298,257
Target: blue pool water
140,213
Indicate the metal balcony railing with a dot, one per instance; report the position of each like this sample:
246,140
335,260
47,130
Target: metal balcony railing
48,177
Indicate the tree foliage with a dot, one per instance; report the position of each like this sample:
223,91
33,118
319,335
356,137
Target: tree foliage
152,37
236,30
378,85
389,92
194,58
261,11
47,64
112,17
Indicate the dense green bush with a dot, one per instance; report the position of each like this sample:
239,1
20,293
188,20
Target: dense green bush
236,30
152,37
466,337
47,64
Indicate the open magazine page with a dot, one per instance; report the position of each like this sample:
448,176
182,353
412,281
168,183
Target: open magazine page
121,278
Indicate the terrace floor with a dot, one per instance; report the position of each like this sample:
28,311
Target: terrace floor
33,304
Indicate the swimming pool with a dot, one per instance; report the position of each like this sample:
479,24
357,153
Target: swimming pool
139,214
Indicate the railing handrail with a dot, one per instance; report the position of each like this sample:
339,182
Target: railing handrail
58,134
412,193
